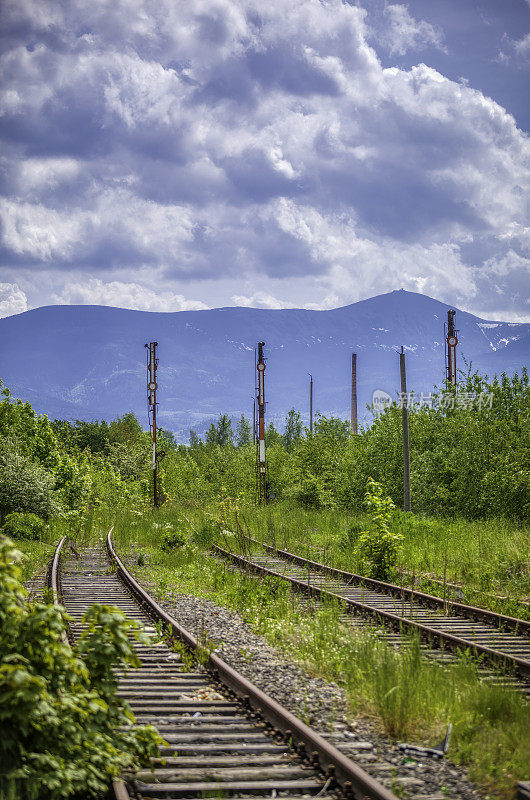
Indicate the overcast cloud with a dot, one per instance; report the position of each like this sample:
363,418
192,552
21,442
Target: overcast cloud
166,155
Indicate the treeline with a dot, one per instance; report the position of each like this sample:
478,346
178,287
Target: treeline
470,456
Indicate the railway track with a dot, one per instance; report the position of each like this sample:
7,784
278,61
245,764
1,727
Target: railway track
446,625
225,737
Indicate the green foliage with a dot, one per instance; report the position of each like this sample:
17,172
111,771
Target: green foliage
207,532
25,485
92,435
23,526
411,697
272,436
349,540
173,540
220,434
379,548
243,432
293,430
472,460
64,730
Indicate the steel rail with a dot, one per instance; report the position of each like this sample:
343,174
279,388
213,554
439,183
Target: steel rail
350,777
119,788
433,635
473,612
54,575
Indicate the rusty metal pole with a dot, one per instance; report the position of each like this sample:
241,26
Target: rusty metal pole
353,394
152,366
310,403
405,412
262,471
451,343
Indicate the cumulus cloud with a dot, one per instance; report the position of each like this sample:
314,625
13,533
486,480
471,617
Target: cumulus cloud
125,295
260,300
403,33
12,300
226,138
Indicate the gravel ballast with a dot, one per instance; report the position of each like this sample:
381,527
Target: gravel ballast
319,703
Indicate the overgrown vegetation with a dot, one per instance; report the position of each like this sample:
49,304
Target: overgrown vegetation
407,697
470,457
337,499
65,732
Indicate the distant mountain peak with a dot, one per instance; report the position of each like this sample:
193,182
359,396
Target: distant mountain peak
89,361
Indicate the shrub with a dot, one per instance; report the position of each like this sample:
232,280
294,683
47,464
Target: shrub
172,540
25,485
65,731
23,526
379,549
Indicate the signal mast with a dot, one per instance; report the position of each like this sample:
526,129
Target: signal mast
451,341
152,366
261,467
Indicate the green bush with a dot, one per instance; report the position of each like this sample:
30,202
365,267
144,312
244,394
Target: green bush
65,732
379,549
23,526
172,540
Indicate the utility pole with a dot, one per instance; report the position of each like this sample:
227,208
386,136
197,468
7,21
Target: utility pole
310,403
405,412
152,366
451,341
260,452
354,393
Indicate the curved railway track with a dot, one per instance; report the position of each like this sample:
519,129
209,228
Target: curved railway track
495,638
226,738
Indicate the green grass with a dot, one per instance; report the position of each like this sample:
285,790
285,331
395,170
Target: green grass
489,559
38,554
407,696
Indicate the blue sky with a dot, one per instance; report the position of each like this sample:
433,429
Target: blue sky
165,155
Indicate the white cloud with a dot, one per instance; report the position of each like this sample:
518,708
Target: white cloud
125,295
225,137
522,46
261,300
404,33
12,300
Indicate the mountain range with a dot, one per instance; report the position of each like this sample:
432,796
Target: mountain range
89,362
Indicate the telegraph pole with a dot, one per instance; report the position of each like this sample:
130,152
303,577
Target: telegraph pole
354,393
405,412
310,403
451,342
262,471
152,366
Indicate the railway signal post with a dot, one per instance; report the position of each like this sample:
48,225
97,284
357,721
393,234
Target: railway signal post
310,402
260,451
152,366
451,341
405,413
354,393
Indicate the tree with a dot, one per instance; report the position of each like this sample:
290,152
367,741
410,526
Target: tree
167,439
25,486
220,434
293,429
194,439
93,435
243,432
272,436
126,429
